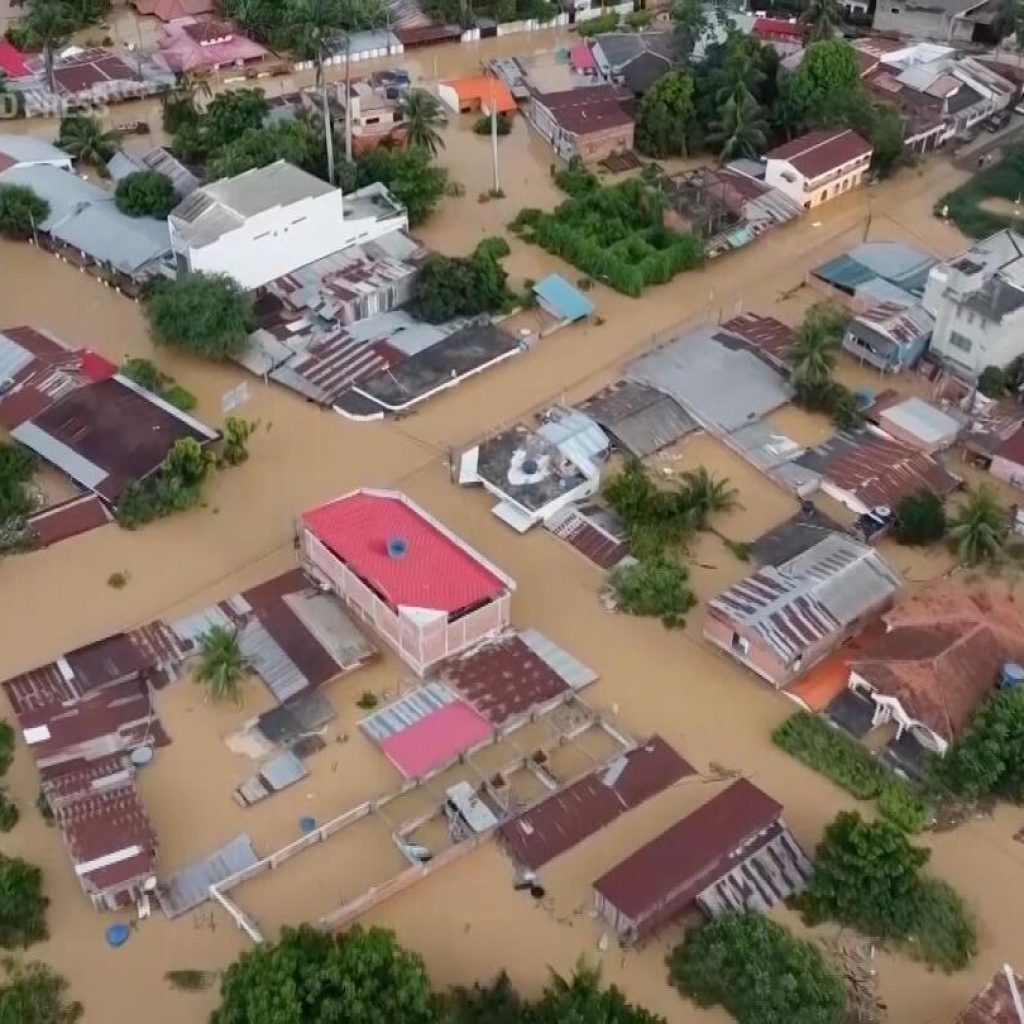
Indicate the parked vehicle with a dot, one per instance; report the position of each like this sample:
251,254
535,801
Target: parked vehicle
998,121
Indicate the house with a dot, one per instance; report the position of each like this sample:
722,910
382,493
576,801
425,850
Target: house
588,122
21,151
193,45
779,30
819,165
866,471
478,93
890,335
270,221
73,409
635,60
1008,459
734,853
947,21
939,654
640,419
977,301
423,589
771,339
1001,1001
876,271
786,617
376,115
125,162
536,474
913,421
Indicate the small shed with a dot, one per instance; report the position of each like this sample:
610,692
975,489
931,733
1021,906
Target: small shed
561,300
480,92
917,423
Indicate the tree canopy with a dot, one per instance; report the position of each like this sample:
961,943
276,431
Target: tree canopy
207,314
232,113
222,666
85,138
819,91
259,147
979,527
409,174
448,287
21,210
33,993
423,117
758,972
920,518
146,194
175,486
22,903
665,117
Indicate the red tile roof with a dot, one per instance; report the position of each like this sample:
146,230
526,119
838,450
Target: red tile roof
688,857
995,1003
438,571
817,153
587,110
773,28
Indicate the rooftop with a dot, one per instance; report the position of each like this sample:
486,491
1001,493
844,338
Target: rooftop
486,89
436,571
28,149
190,44
999,1002
914,416
641,418
581,111
770,337
793,537
899,264
818,153
816,594
619,48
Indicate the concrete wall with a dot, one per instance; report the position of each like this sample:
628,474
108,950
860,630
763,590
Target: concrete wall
758,658
600,145
784,176
889,709
891,16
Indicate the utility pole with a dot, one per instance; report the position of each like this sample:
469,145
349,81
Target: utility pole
328,124
348,96
494,137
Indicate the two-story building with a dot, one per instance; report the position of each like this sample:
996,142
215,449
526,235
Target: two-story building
270,221
819,165
977,301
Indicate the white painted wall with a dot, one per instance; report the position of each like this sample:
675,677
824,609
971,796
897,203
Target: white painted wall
810,193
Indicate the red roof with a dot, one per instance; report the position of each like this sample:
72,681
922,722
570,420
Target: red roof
596,108
688,857
1012,449
769,28
68,519
817,153
12,61
769,336
994,1004
437,570
582,57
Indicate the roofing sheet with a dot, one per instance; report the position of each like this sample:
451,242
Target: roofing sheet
189,887
565,301
999,1002
818,153
900,264
641,418
436,738
28,148
922,420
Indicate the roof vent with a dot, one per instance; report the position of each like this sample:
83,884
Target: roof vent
397,547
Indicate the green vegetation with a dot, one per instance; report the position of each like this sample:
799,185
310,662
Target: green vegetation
48,24
979,527
206,314
21,211
920,518
148,375
848,764
6,745
293,141
190,980
656,586
457,12
757,971
145,194
614,235
177,485
222,667
987,758
368,700
822,19
416,182
812,359
1002,180
86,139
868,876
503,124
576,179
236,440
22,903
664,118
993,382
423,118
9,814
448,287
34,993
607,22
16,500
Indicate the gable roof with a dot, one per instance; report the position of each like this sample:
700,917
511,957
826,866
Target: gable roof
817,153
1001,1001
816,594
594,108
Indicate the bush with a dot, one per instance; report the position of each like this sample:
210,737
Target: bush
944,934
920,518
206,314
448,287
904,806
576,179
757,971
963,205
174,487
190,980
146,194
21,210
607,22
236,437
655,586
368,700
23,906
830,397
16,501
8,812
181,398
33,993
414,180
993,382
503,124
148,375
6,745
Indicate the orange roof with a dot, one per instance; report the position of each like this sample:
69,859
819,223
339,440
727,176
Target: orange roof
824,682
484,88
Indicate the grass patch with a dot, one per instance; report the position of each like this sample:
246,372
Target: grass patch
813,741
191,980
1004,180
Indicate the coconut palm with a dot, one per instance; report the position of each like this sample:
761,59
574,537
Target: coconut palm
423,117
979,527
742,130
86,139
702,495
821,18
222,666
49,26
812,355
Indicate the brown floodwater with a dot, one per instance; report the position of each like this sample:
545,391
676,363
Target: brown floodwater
466,920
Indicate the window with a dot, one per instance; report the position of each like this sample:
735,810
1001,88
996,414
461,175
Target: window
740,644
960,342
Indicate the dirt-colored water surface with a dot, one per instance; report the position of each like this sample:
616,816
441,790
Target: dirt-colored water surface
466,920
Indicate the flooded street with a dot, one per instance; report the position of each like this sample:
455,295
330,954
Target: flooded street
466,920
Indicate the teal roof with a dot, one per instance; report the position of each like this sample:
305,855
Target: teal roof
565,301
901,265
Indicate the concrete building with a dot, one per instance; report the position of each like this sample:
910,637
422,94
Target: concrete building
819,165
977,300
589,122
891,335
273,220
947,21
426,592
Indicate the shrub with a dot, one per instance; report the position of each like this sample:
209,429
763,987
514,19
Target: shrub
21,211
503,124
34,993
1004,179
8,812
188,980
147,375
368,700
209,315
944,934
993,382
654,586
117,580
576,179
174,487
448,287
904,806
181,398
236,437
6,745
145,194
606,22
920,518
830,397
23,905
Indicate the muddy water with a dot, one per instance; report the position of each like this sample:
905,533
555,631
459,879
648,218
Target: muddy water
466,920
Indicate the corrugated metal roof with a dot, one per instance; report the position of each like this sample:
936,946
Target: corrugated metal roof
795,605
31,150
13,358
641,418
573,671
576,436
565,301
79,468
903,265
275,668
922,420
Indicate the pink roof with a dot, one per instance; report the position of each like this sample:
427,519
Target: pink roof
437,571
817,153
581,57
12,61
182,52
435,738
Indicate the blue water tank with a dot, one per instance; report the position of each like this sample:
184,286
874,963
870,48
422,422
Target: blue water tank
397,547
1011,675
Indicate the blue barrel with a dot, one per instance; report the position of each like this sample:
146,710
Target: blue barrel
1011,675
117,935
397,547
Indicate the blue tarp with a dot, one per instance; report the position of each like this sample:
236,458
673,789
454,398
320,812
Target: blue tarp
562,299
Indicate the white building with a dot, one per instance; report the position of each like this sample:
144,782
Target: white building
273,220
977,300
819,165
28,151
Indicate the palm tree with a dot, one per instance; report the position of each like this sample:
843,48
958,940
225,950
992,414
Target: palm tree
821,18
87,140
222,666
49,26
742,130
702,495
979,527
423,117
812,355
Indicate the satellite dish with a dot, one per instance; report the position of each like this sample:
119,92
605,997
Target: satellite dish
141,756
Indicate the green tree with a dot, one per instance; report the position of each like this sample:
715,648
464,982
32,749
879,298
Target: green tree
146,194
665,116
992,382
866,876
742,130
258,147
979,527
236,440
34,993
423,117
181,106
22,903
448,287
920,518
581,998
813,355
703,495
16,502
691,23
496,1003
48,26
207,314
362,976
87,140
657,585
758,972
409,174
819,91
232,113
822,19
222,666
21,211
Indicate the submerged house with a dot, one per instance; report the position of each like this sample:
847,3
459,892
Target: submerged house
786,617
1001,1001
819,166
589,122
891,335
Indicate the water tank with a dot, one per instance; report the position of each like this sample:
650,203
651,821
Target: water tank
530,466
397,547
1011,675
